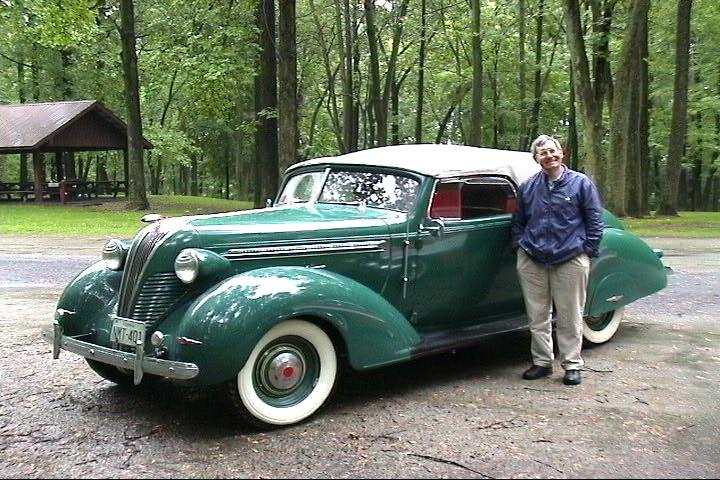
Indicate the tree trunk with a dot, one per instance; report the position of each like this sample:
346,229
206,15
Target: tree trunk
59,167
375,86
266,142
622,128
138,196
39,174
344,24
421,73
475,136
643,125
602,12
395,112
709,203
23,177
589,113
537,81
572,141
287,86
332,98
678,129
497,115
522,69
194,191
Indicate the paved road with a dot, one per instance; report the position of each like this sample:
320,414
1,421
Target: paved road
647,407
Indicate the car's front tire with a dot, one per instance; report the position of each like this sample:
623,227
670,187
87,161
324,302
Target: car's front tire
601,328
289,375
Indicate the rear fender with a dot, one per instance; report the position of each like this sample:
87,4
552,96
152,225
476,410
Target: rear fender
230,319
627,269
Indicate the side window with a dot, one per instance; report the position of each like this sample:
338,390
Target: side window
473,198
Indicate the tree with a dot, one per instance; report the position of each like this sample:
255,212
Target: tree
137,192
624,111
590,110
475,137
287,86
678,129
266,140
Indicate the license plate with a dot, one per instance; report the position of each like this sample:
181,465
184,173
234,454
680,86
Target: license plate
127,332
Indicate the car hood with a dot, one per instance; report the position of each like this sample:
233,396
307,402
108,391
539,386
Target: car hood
292,224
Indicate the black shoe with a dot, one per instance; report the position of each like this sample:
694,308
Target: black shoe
572,377
535,372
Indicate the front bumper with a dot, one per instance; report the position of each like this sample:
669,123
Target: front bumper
137,362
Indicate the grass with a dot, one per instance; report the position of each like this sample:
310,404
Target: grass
113,218
105,218
685,225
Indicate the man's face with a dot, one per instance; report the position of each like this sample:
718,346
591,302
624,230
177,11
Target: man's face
549,156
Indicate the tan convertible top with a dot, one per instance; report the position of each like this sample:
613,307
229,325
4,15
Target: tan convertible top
440,161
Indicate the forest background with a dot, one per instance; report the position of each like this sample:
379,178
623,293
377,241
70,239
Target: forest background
231,92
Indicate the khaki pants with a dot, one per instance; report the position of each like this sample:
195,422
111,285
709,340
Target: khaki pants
565,285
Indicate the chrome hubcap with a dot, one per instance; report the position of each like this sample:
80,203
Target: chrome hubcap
282,369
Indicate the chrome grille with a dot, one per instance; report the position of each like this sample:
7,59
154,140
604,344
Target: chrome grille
157,296
137,258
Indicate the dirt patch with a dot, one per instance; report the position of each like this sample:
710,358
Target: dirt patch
647,406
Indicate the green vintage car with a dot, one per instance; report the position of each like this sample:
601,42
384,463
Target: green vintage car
363,260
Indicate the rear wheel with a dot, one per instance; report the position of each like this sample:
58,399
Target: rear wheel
290,373
601,328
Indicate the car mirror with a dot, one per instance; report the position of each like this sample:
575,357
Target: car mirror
268,202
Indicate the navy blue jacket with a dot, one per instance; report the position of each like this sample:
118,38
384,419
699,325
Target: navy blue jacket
558,224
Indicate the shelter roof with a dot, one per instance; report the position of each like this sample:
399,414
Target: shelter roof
59,126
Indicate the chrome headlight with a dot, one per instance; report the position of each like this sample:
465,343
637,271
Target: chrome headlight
187,265
114,254
192,264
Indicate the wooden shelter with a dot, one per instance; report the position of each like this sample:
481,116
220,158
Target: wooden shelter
58,127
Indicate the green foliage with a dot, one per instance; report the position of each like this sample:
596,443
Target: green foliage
110,218
685,225
197,61
61,23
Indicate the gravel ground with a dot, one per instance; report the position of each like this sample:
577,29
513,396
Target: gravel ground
647,407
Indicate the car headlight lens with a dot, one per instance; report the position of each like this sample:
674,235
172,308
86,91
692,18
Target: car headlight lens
187,265
114,254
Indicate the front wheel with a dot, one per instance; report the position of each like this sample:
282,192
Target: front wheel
601,328
290,373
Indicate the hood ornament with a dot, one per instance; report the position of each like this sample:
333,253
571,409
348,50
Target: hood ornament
152,217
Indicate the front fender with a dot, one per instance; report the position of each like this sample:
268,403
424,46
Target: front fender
231,317
627,269
90,296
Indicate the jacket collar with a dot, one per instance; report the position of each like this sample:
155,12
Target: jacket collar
561,179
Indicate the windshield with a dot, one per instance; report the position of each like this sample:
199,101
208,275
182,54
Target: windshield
381,190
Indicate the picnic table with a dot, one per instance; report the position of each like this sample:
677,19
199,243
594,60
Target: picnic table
63,191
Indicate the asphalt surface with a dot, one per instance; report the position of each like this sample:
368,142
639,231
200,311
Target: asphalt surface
647,408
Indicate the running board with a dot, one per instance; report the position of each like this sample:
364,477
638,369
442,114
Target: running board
463,337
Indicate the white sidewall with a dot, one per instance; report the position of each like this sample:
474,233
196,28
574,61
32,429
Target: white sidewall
328,369
602,336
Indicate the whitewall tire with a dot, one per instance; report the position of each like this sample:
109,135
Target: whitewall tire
600,329
289,375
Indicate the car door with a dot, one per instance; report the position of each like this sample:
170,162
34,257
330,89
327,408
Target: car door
464,269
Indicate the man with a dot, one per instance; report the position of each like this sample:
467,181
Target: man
557,227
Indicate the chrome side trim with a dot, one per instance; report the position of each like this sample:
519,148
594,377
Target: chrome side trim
138,363
304,250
